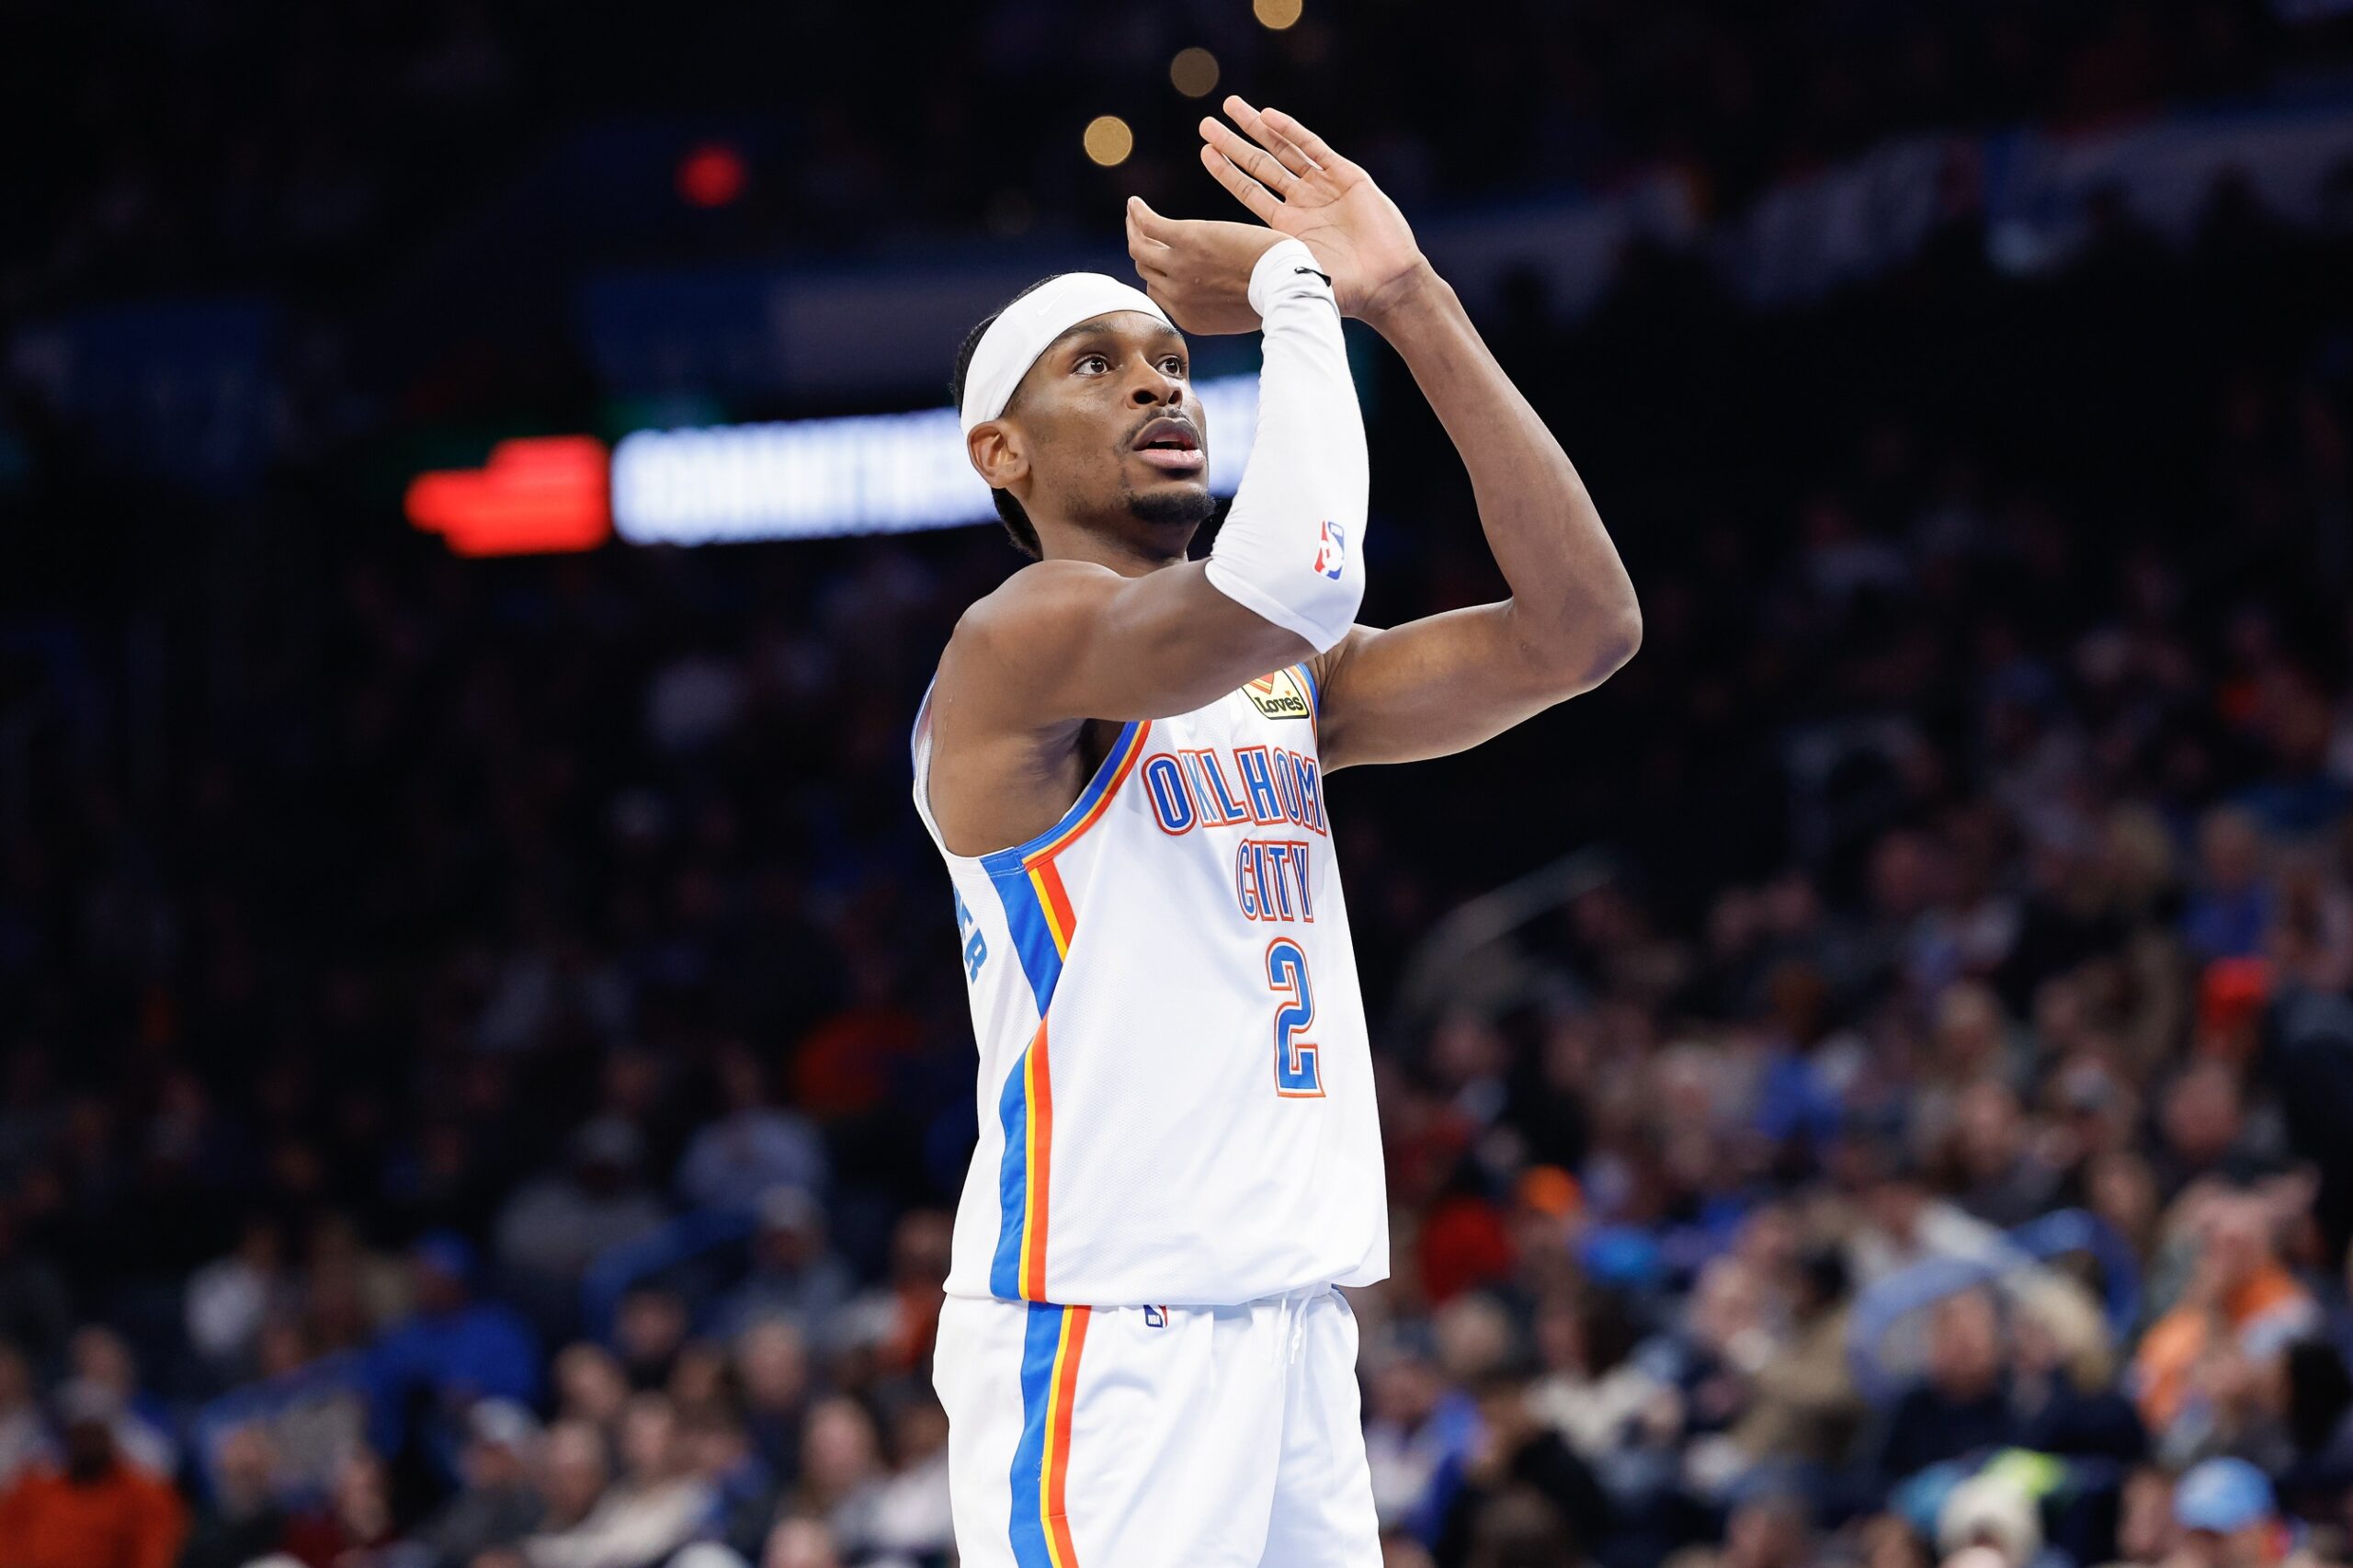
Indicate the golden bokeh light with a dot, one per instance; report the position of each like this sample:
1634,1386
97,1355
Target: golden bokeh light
1193,73
1108,141
1276,14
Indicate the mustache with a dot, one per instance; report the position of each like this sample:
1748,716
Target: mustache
1187,420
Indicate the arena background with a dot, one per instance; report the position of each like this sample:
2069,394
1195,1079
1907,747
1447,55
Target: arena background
482,1069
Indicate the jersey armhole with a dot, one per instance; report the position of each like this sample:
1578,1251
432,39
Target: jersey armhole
1084,811
1306,668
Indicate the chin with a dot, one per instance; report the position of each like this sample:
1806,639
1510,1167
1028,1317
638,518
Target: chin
1184,503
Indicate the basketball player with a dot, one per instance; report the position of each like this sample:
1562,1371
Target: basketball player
1142,1358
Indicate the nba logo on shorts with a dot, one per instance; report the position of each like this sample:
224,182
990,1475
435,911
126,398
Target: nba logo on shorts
1154,1318
1332,554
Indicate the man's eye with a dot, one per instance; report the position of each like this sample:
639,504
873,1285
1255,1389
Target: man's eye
1174,366
1095,360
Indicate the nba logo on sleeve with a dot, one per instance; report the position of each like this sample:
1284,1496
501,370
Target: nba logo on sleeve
1332,552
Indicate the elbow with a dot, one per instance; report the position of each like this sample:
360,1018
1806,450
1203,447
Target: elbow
1587,650
1621,639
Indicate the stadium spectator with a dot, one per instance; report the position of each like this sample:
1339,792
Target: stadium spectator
2225,1510
649,1334
353,1524
1765,1529
841,1475
554,1226
1961,1406
229,1299
743,1489
1804,1410
1517,1464
1419,1433
451,1351
574,1469
794,1274
495,1505
2239,1310
92,1509
654,1505
754,1147
911,1516
243,1519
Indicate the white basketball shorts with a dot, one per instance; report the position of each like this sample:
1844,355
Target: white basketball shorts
1157,1436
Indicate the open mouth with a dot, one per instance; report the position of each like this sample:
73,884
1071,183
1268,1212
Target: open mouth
1171,445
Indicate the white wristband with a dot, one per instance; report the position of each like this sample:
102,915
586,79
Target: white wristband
1291,549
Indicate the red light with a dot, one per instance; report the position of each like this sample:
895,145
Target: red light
713,175
534,497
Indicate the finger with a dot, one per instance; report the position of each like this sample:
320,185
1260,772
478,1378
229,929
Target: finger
1287,152
1248,191
1314,146
1256,162
1139,239
1148,222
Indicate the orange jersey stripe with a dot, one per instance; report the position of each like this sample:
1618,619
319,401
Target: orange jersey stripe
1041,1087
1062,922
1102,802
1055,898
1064,1397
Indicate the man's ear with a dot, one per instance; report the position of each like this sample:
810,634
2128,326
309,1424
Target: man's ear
996,452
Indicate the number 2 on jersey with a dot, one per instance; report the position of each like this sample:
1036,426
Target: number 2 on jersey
1297,1076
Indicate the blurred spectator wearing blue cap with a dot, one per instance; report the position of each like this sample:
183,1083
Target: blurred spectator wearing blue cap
448,1353
2228,1517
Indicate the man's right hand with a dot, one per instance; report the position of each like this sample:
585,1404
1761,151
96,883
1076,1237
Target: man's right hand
1198,269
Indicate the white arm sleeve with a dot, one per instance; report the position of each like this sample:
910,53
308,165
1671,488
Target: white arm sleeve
1291,549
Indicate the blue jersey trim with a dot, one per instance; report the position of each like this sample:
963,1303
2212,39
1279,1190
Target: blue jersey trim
1012,1182
1033,939
1315,692
1001,860
1041,1337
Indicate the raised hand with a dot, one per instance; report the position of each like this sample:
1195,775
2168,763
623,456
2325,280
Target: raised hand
1290,178
1198,269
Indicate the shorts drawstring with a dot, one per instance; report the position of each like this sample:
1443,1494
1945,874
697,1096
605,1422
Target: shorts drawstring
1294,1320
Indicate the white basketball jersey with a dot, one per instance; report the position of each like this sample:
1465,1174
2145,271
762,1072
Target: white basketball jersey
1176,1088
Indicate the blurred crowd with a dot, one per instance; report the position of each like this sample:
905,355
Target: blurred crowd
483,1067
324,149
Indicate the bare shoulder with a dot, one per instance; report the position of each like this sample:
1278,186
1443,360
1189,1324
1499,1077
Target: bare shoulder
1038,599
1004,763
1007,644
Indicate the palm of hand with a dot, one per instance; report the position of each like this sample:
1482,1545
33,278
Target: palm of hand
1357,232
1292,179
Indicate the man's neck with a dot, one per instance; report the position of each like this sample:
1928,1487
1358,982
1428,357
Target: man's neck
1129,556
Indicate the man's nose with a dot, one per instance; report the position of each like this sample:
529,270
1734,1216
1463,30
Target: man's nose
1153,387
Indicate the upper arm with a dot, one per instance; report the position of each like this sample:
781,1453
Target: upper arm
1440,684
1066,640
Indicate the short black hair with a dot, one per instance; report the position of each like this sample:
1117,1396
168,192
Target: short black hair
1018,525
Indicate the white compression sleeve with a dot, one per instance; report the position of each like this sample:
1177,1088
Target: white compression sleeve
1291,549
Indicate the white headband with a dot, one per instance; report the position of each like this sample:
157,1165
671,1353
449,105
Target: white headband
1024,328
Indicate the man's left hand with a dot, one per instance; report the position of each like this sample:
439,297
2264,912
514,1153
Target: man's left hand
1293,180
1198,269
